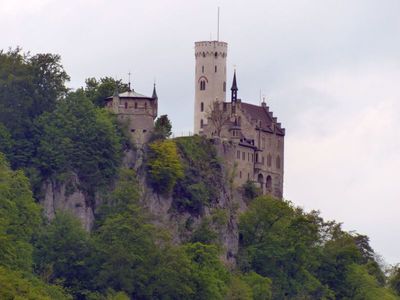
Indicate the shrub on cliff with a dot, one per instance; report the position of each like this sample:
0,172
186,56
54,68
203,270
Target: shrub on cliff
203,177
164,166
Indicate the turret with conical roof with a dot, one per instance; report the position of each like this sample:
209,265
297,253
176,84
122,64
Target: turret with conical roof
234,88
154,96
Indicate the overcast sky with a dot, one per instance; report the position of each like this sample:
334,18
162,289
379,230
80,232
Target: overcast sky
330,71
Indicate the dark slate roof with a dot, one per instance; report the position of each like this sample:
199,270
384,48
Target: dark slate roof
262,113
258,113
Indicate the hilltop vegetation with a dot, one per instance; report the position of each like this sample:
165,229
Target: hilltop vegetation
49,132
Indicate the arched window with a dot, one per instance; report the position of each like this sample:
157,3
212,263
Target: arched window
268,183
269,160
201,123
201,106
260,180
278,162
202,85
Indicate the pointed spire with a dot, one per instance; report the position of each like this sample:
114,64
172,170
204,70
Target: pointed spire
234,88
154,96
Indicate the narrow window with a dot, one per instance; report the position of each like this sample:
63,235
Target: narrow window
201,123
201,106
243,156
215,69
144,130
126,104
202,69
278,162
240,174
238,154
224,87
268,183
262,160
135,105
269,160
145,105
216,55
248,176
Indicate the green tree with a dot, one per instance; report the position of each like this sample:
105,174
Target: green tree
164,166
14,285
125,245
63,254
363,286
98,90
19,218
29,86
260,286
209,275
78,137
6,141
162,128
279,242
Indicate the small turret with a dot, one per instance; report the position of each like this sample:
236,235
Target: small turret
154,96
234,88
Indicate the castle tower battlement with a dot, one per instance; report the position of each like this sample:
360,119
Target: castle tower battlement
210,78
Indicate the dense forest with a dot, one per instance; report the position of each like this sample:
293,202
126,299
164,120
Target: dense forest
48,131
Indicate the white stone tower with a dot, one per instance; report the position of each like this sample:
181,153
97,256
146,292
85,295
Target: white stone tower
210,79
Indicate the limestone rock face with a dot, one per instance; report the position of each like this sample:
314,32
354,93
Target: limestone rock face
67,197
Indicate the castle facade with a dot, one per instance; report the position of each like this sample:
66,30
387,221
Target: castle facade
254,136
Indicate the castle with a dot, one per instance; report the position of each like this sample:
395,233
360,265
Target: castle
253,137
136,111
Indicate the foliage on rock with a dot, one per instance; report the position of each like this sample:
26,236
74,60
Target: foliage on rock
203,180
164,166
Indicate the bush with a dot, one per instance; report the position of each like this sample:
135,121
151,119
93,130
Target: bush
250,190
164,166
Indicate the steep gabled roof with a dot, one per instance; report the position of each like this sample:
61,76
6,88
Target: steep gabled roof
263,115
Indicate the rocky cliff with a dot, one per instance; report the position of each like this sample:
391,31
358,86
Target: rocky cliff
218,216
